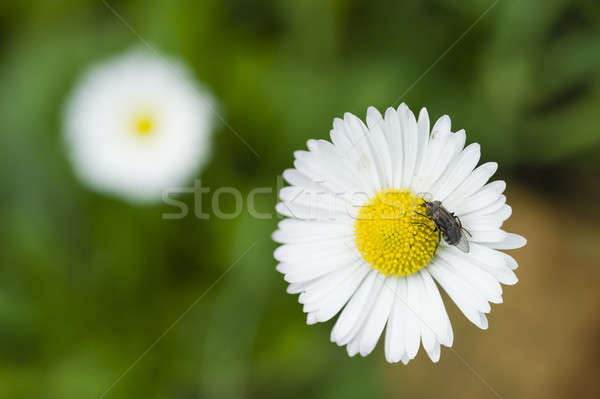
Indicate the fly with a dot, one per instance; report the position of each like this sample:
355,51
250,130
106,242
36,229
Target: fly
447,224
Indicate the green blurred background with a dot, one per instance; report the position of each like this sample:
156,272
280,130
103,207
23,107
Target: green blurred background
88,282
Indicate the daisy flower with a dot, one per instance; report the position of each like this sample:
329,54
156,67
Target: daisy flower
358,239
136,125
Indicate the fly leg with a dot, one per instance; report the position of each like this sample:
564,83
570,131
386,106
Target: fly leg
423,224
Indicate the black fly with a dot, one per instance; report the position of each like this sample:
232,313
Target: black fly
447,224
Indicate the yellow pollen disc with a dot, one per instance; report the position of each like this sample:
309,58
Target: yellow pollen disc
143,125
391,237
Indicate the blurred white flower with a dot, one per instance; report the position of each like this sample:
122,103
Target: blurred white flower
362,240
137,125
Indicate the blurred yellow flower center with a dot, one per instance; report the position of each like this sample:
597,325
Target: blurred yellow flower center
143,125
391,237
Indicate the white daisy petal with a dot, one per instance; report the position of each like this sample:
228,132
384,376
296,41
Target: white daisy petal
320,209
360,243
510,261
352,312
365,161
503,213
492,261
423,144
434,354
475,181
457,171
511,241
355,331
470,304
329,203
392,130
487,210
324,169
378,318
452,147
413,321
491,236
473,222
334,302
409,143
481,199
297,179
379,146
297,288
311,268
443,124
437,145
313,249
437,319
295,231
320,288
478,279
395,332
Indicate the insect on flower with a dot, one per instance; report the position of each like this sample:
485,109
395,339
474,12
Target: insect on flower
447,224
380,267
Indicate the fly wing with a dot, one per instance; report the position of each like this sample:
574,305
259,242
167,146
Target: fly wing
463,244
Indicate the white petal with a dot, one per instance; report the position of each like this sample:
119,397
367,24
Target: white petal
314,249
360,153
481,223
379,146
484,197
295,230
322,203
511,241
350,316
319,211
510,261
311,319
493,262
503,213
355,331
457,171
297,272
489,209
473,183
426,314
443,124
379,316
353,347
488,236
296,288
332,304
451,149
414,319
409,144
437,320
434,353
468,303
321,287
296,178
393,131
395,345
423,144
437,143
478,279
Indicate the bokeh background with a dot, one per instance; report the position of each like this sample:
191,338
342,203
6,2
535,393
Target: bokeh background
88,282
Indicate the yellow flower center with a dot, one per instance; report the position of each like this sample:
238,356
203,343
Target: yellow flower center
143,125
391,237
